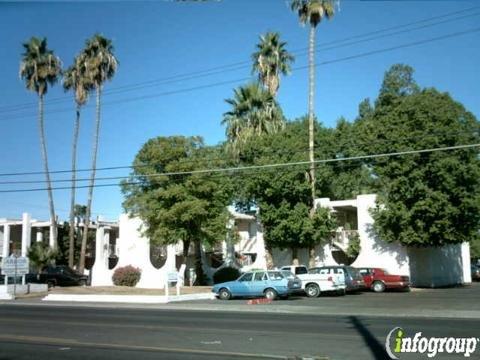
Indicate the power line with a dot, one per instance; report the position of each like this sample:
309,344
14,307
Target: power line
244,64
259,167
224,158
221,83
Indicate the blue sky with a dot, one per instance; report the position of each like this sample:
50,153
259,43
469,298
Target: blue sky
159,39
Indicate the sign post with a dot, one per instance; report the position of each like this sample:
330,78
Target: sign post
14,266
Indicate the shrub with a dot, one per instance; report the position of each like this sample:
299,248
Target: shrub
226,274
126,276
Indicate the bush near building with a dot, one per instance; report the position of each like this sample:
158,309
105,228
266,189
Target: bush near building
126,276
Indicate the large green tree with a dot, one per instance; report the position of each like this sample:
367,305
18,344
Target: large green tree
429,198
40,68
100,65
75,79
282,194
183,206
270,61
312,12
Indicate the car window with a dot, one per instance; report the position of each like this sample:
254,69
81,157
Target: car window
301,270
364,271
324,271
276,275
246,277
339,271
259,276
286,268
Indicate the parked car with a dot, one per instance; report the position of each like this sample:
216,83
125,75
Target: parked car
270,284
296,269
475,272
353,279
314,284
59,275
379,279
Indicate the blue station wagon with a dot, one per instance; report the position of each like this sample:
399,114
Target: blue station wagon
270,284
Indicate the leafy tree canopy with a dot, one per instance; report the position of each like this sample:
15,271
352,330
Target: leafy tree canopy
188,207
430,198
283,194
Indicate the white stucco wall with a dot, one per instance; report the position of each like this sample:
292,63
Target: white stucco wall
134,250
374,251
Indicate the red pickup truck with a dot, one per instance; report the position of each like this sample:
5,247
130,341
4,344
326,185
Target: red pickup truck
379,279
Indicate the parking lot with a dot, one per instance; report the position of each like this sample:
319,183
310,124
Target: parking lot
451,302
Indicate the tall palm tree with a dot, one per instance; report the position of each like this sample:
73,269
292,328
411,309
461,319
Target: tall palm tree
75,79
312,12
39,67
100,66
270,60
254,112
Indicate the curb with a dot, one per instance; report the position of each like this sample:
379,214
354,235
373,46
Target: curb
132,299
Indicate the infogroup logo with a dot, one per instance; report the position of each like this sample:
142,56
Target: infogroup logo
397,343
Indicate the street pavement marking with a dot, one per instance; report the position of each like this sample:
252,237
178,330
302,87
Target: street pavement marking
72,342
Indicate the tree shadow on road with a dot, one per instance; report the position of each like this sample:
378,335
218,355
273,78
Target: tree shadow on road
377,349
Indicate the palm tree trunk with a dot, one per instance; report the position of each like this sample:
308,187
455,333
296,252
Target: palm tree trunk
43,145
92,181
311,115
71,233
311,120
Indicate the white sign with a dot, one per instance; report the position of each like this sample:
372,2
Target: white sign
12,266
172,276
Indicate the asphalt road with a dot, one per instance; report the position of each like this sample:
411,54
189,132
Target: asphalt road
56,332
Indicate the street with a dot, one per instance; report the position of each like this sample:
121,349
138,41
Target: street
58,332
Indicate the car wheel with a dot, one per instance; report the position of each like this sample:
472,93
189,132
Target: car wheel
82,283
224,294
270,294
312,290
341,292
378,286
51,284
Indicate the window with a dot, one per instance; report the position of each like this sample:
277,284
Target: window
364,271
287,268
320,271
339,271
301,270
246,277
260,276
275,275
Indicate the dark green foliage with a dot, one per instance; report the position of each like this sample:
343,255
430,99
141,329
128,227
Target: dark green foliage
187,207
226,274
41,255
283,194
63,243
354,247
126,276
430,198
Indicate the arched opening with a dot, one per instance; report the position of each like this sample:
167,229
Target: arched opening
158,255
